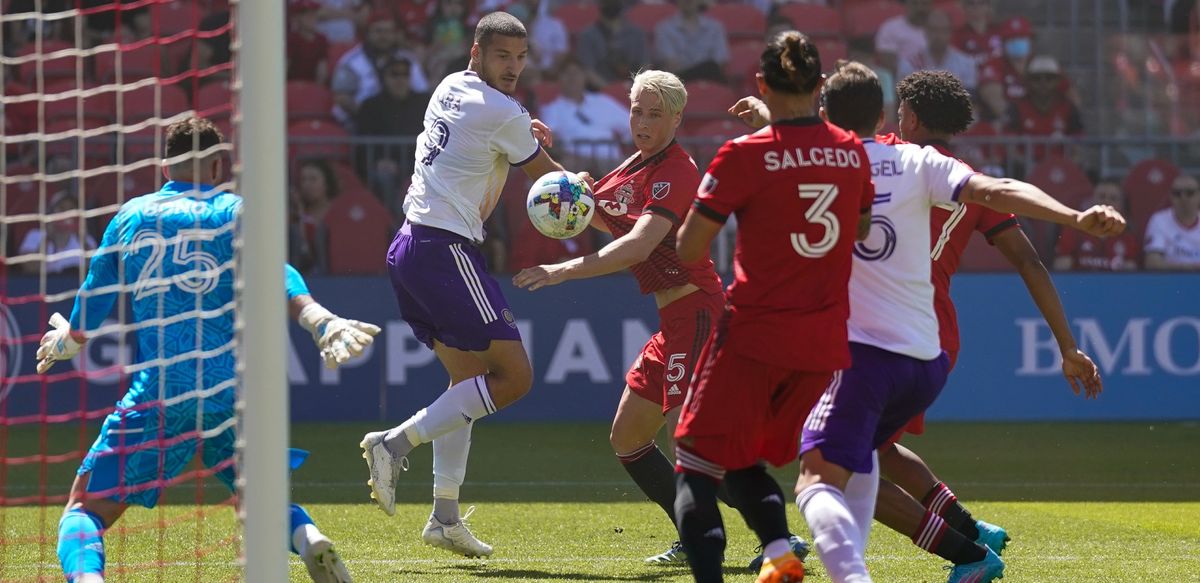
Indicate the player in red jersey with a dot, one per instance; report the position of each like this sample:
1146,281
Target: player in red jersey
935,106
801,190
641,203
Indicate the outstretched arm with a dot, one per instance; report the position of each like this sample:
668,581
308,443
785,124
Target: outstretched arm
338,338
1077,366
1021,198
632,248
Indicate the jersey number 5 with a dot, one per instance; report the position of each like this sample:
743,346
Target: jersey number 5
818,213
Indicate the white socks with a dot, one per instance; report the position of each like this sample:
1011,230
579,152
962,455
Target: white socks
303,535
835,533
449,471
860,495
458,407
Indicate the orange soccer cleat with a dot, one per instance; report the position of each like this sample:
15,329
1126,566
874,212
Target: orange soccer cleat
782,569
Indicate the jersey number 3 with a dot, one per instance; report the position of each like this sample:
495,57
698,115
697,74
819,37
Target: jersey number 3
818,213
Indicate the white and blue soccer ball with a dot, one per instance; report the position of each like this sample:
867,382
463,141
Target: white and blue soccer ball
560,205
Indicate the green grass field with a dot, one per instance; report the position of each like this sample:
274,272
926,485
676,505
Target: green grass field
1083,502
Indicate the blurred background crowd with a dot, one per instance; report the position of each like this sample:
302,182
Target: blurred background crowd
1094,100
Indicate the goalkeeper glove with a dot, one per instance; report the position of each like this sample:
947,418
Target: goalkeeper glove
58,344
338,338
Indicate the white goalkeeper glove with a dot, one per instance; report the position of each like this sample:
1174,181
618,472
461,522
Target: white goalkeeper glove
338,338
57,344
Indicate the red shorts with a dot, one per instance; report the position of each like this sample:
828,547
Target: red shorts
663,370
916,425
740,411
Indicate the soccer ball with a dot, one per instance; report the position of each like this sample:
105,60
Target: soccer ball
560,205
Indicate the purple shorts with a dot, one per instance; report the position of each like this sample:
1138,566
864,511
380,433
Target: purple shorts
868,402
445,292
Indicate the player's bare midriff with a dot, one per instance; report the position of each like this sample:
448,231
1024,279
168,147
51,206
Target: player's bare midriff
664,297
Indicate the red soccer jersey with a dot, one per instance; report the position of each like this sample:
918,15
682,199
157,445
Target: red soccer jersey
1090,253
950,232
665,185
797,188
982,46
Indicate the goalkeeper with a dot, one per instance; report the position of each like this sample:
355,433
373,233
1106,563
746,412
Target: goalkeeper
173,251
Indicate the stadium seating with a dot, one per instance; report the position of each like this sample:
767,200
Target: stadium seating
741,21
577,16
1148,188
743,61
174,17
347,178
137,61
709,99
96,150
647,16
864,18
308,100
1063,179
98,106
545,92
358,226
215,100
832,49
618,90
52,68
981,256
813,20
336,51
152,100
319,139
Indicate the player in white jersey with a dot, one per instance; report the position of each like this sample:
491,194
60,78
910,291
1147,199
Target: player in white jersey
898,364
474,131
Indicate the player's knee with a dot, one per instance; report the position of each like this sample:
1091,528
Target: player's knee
624,438
510,383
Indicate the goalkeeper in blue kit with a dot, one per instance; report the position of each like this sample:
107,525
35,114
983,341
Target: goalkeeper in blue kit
173,252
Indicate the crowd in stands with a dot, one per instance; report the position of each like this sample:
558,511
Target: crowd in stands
361,71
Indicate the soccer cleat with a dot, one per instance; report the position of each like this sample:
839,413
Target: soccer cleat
992,536
799,548
384,469
989,569
456,538
672,556
785,569
323,563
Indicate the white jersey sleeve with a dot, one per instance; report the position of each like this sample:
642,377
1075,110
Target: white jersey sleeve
473,134
944,176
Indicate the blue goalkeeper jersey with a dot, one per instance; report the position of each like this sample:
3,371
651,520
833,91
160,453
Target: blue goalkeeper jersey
171,252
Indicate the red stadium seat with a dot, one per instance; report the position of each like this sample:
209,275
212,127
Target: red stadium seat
93,105
358,226
111,188
577,16
1063,179
743,61
953,9
318,139
136,62
647,16
308,100
168,18
97,150
215,100
545,92
63,67
155,100
741,21
832,49
1148,188
706,98
618,90
864,18
725,129
813,20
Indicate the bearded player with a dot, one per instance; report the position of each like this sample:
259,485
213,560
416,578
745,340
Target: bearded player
474,132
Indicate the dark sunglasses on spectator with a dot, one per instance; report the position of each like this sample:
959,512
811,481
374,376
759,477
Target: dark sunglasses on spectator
1181,192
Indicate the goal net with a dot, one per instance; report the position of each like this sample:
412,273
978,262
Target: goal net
86,89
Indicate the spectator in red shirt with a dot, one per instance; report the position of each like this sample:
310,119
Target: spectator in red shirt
1045,110
1001,79
316,186
979,37
306,46
1082,252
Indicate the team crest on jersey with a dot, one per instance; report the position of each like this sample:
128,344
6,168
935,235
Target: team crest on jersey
708,185
508,318
660,190
624,194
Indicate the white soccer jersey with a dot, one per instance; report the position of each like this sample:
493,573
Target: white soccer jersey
891,296
1180,245
473,133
